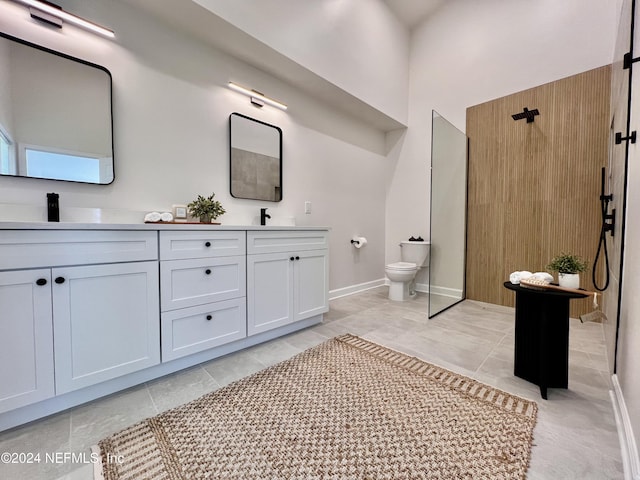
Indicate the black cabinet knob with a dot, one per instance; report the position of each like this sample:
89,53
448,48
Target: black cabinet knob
59,280
207,244
209,317
297,258
291,258
41,281
208,271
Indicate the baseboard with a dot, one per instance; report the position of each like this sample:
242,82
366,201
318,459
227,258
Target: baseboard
361,287
446,291
628,447
420,287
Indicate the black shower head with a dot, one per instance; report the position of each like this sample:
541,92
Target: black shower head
526,113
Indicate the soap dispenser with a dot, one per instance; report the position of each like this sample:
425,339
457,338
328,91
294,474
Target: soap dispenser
53,209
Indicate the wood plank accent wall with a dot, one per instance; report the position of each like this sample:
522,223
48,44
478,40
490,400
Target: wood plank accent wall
534,187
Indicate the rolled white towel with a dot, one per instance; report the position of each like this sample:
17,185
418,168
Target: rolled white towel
515,277
166,217
152,217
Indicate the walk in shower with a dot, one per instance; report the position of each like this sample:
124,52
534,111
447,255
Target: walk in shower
448,215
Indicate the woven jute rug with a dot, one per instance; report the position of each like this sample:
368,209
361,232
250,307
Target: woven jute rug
346,409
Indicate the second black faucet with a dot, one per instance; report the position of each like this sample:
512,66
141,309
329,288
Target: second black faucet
263,216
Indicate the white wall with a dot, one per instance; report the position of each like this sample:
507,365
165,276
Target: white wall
357,45
469,52
171,110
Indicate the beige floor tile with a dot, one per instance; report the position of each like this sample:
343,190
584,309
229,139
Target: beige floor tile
575,436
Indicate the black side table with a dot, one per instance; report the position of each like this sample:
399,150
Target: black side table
541,353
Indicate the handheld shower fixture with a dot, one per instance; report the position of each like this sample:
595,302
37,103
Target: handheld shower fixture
608,225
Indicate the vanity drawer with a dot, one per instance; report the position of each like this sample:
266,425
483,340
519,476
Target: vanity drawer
289,241
181,245
48,248
192,330
186,283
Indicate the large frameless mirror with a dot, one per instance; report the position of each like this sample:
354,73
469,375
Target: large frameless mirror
255,159
448,215
55,115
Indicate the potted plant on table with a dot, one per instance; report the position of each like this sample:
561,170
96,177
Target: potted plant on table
568,267
206,208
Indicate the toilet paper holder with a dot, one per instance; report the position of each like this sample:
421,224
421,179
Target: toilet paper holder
358,241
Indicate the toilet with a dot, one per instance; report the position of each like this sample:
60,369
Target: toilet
401,275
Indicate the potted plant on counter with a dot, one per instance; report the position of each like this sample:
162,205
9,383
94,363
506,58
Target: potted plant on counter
206,208
568,267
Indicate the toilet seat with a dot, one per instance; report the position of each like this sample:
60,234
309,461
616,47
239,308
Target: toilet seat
402,266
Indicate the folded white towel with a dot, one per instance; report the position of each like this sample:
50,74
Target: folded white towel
547,277
152,217
166,217
515,277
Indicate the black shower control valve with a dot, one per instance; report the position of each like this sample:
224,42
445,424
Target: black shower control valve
631,138
610,222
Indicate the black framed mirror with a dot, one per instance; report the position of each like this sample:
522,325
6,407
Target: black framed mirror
56,119
255,150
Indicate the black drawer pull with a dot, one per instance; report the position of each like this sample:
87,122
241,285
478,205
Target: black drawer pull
209,317
207,244
41,281
208,271
59,280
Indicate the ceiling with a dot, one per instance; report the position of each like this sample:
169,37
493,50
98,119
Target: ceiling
412,12
203,24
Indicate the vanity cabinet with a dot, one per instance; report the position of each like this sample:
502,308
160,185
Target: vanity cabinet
105,322
89,311
26,338
202,290
287,278
95,305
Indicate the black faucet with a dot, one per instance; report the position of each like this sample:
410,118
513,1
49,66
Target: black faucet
263,216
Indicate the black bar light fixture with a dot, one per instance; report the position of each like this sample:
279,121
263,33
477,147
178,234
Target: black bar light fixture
526,113
54,15
257,98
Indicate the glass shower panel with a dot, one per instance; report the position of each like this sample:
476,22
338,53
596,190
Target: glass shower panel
448,215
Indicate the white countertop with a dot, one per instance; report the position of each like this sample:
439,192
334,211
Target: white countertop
145,226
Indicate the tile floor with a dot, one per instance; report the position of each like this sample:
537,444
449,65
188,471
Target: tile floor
575,436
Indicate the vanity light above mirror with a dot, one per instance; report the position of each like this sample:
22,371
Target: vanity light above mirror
258,99
54,15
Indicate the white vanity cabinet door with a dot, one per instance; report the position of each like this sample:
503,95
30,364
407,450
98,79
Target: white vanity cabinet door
106,322
283,288
269,291
311,285
26,338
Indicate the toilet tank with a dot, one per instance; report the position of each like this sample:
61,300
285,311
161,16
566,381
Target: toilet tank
415,252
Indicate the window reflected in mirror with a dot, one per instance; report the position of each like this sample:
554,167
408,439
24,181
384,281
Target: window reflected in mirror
55,115
255,159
